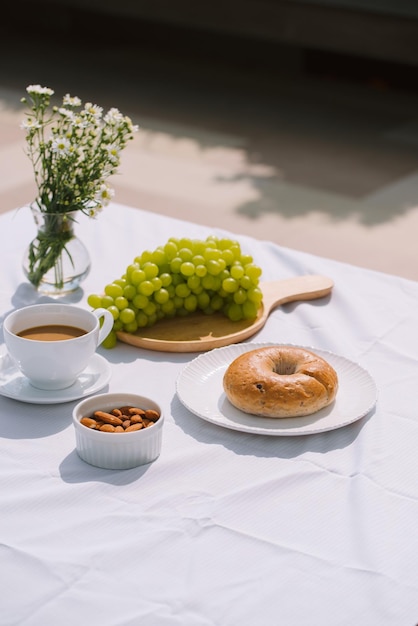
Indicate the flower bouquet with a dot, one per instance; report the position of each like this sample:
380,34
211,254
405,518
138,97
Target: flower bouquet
73,149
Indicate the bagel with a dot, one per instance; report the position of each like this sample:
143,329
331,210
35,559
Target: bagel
280,381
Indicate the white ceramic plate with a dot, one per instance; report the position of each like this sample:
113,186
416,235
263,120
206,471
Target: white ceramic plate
14,385
200,389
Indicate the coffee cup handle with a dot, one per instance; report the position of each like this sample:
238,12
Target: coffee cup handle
107,323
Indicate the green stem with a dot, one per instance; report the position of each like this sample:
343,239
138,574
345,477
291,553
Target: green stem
45,252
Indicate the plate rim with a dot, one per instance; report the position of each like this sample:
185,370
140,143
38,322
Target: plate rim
280,430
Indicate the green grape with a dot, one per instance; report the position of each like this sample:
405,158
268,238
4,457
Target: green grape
236,251
129,292
150,269
228,257
240,296
145,257
253,271
225,244
164,269
140,301
208,282
212,254
246,259
171,290
211,242
187,268
121,303
94,300
224,274
203,300
201,270
127,316
152,320
176,264
246,282
113,309
217,283
216,302
168,307
255,295
234,312
230,285
150,309
157,283
249,310
185,243
159,256
132,327
107,301
141,319
137,276
198,247
178,302
110,341
113,290
146,288
166,279
193,282
131,268
198,259
214,267
177,279
161,296
117,325
170,250
182,290
185,254
190,303
120,281
237,271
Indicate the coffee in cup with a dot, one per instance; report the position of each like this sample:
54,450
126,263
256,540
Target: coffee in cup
53,343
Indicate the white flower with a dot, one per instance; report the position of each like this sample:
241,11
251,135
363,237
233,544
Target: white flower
113,153
79,121
30,124
104,194
67,113
61,146
38,90
113,117
72,101
93,110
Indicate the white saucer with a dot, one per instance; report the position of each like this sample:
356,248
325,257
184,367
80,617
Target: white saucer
14,385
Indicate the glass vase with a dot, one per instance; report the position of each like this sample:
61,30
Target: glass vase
56,261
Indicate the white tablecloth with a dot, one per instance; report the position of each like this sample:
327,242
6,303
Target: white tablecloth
225,528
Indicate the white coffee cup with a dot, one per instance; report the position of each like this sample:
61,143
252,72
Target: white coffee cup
55,364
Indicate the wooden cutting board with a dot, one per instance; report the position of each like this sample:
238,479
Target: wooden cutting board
198,332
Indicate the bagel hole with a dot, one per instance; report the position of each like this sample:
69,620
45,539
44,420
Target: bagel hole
284,369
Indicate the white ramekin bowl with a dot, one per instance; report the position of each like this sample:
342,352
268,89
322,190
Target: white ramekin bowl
117,450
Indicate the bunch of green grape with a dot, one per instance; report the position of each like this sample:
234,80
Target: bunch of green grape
179,278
